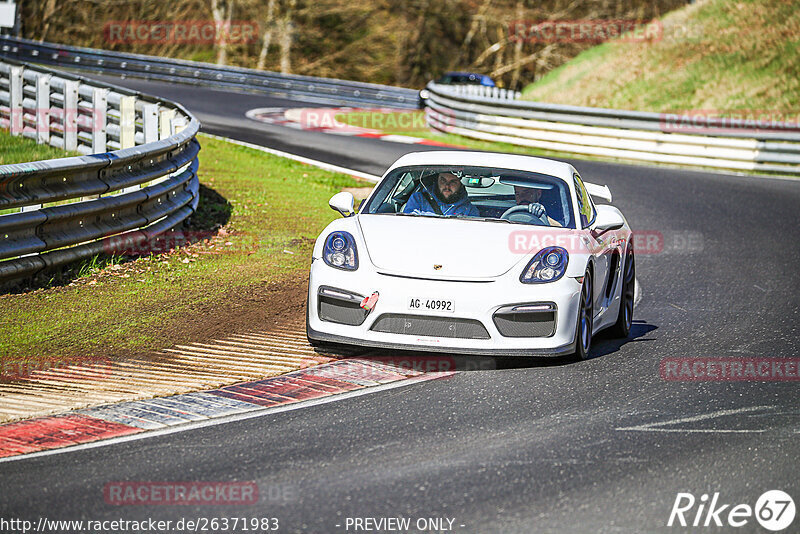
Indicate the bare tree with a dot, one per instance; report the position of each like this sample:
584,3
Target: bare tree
222,12
49,10
286,28
517,50
266,40
478,22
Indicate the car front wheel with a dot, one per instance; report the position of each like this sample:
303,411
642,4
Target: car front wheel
622,328
583,342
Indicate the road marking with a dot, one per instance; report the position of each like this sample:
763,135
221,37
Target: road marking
195,425
656,427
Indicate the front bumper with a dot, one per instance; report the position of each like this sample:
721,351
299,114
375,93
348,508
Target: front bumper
473,302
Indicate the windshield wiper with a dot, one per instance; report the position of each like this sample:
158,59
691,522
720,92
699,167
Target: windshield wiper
488,219
410,214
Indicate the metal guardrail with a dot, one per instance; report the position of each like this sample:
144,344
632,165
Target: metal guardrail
56,211
308,88
632,135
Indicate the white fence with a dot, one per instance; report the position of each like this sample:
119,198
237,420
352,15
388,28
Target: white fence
137,180
652,137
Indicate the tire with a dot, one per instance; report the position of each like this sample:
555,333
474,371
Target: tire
622,328
583,330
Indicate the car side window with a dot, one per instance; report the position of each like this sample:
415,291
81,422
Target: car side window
585,206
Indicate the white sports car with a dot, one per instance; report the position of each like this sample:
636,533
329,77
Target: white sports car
473,253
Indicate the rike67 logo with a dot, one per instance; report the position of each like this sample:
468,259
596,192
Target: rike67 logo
774,511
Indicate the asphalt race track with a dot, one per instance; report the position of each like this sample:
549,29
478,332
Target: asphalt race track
603,445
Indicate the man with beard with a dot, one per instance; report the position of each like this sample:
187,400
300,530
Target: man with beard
449,197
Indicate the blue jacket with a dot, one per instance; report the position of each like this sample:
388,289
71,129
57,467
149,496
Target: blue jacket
419,204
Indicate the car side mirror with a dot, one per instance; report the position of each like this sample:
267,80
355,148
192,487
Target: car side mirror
343,203
608,218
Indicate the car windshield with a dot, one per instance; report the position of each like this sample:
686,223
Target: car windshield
458,78
480,193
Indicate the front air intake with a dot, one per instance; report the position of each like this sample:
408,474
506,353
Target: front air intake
339,306
538,320
424,325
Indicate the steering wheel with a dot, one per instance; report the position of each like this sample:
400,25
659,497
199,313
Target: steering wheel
522,213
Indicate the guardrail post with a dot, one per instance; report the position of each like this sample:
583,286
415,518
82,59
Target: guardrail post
127,128
99,119
150,123
15,101
165,123
127,121
70,115
43,109
178,124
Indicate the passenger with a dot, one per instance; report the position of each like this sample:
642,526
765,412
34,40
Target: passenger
449,198
531,196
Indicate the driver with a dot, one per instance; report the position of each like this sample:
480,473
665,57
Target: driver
449,198
531,196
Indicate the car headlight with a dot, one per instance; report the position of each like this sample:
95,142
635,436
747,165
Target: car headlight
340,251
548,265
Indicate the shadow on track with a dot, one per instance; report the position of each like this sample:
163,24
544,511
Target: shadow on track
442,362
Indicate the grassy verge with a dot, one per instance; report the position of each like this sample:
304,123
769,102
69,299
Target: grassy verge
274,208
714,55
18,149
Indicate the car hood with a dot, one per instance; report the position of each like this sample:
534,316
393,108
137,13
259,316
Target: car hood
464,249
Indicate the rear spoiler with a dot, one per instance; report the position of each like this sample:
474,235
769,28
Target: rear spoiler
598,191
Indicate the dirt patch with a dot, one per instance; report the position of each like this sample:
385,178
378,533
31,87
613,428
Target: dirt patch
255,307
247,309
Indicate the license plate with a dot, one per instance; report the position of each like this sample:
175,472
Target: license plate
431,305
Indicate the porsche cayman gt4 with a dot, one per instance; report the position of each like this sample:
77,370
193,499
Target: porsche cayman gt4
474,253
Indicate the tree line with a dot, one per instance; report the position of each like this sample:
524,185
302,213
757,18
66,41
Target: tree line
398,42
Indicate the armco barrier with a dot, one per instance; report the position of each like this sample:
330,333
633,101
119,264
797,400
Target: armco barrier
57,211
309,88
631,135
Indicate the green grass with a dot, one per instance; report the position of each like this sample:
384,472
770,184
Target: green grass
18,149
715,55
277,208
